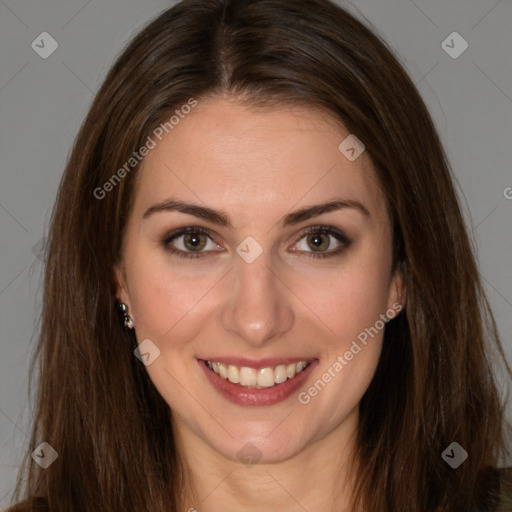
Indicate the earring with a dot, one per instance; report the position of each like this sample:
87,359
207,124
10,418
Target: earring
127,320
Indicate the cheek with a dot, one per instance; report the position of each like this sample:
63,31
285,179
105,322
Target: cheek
160,297
350,297
350,354
360,298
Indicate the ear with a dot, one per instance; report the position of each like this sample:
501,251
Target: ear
119,277
397,290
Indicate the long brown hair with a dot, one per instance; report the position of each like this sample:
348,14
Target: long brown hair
435,382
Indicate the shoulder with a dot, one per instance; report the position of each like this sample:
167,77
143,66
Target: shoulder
32,505
502,498
500,490
505,499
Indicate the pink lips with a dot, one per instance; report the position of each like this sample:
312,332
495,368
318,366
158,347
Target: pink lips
253,396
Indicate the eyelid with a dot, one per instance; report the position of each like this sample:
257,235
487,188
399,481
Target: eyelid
340,236
177,233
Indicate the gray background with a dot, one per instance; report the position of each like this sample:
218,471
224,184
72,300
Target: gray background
43,102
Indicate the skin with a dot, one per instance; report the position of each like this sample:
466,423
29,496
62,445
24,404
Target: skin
258,166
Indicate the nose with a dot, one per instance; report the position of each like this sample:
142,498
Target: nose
258,306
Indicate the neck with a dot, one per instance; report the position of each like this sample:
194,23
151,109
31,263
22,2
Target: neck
315,479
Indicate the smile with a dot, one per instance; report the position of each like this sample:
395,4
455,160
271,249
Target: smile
252,383
257,377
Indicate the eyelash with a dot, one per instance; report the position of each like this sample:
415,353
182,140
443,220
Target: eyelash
313,230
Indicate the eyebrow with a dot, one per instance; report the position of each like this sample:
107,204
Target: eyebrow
222,218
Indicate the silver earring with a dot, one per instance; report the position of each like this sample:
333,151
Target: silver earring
127,320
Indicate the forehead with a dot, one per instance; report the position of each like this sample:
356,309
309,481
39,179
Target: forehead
234,157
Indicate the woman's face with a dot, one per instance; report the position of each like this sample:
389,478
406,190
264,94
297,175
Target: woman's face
256,289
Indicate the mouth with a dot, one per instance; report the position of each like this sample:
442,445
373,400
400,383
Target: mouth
258,378
268,382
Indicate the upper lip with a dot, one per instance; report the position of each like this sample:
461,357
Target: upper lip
257,363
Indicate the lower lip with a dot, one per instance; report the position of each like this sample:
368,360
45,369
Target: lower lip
256,396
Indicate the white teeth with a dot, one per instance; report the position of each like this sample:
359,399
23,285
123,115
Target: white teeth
265,377
280,374
261,378
247,376
300,366
223,370
233,374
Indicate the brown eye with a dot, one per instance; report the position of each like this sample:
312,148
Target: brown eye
194,241
189,242
318,241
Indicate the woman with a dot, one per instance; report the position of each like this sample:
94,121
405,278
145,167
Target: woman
259,192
